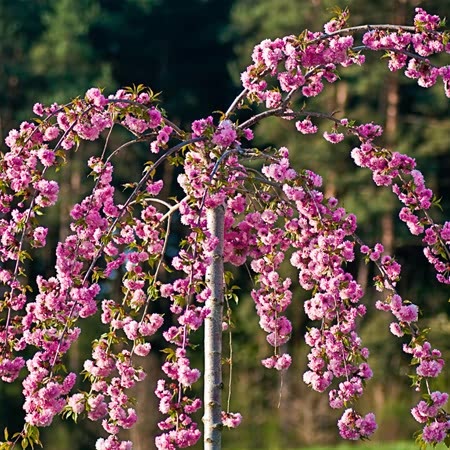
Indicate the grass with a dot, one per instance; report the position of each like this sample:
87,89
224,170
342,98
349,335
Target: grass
404,445
407,445
397,445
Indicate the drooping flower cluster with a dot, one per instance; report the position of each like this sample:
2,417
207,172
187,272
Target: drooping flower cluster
429,361
319,232
399,171
179,429
352,426
273,295
391,168
318,228
430,411
48,323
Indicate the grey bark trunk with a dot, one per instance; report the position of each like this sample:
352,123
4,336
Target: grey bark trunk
213,336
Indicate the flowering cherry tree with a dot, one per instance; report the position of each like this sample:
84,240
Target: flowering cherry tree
240,205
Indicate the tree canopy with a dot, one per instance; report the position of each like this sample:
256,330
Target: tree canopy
54,52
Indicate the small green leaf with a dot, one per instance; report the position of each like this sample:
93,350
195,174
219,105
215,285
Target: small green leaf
447,441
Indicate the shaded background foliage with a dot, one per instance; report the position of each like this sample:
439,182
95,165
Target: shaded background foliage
193,52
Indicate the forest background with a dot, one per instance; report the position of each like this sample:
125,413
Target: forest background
193,52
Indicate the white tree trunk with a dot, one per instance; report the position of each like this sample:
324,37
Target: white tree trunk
213,336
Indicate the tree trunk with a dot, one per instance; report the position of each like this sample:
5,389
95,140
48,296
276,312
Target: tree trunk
213,336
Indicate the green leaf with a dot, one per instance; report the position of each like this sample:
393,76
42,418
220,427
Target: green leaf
170,352
447,441
33,433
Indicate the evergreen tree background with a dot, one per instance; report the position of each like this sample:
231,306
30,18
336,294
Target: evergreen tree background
194,52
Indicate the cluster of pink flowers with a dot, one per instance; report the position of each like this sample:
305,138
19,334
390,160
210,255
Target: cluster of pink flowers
352,426
337,23
319,232
399,171
225,135
23,172
302,63
429,361
43,400
303,66
321,225
273,295
179,429
162,138
437,237
431,412
425,40
70,295
231,420
333,137
306,126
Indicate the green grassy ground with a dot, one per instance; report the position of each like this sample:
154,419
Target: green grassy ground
407,445
375,446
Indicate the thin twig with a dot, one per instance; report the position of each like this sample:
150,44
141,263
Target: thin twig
171,210
258,117
393,50
362,28
236,102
